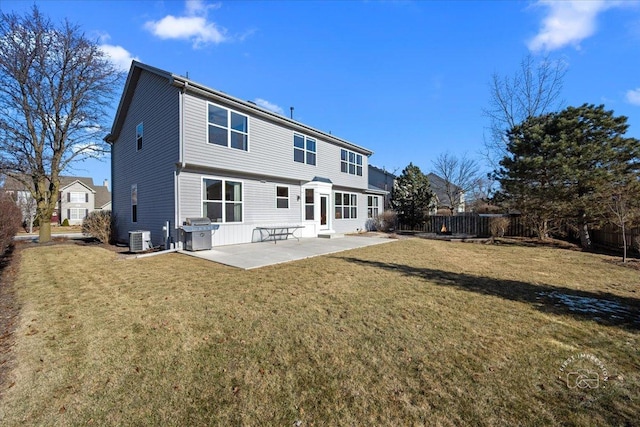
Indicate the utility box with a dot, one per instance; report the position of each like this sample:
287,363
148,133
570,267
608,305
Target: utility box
139,241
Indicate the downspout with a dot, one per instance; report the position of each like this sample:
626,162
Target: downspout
176,174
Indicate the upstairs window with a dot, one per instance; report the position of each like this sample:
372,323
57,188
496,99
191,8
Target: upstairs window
350,162
304,149
77,197
228,128
139,132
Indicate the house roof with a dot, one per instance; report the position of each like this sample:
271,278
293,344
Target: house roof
438,186
67,181
102,196
194,87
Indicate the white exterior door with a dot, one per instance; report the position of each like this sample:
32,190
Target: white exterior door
325,218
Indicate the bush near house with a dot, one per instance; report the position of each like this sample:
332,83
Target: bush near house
386,221
100,225
10,218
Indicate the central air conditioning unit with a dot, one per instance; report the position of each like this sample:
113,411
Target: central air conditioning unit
139,241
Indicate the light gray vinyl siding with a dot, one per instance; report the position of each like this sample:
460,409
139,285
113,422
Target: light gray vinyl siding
270,149
350,225
259,199
155,103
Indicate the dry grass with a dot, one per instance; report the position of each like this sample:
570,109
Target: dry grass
413,332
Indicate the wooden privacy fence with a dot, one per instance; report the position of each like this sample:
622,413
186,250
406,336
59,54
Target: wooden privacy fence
474,225
610,236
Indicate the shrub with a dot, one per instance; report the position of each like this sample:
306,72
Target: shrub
100,225
10,219
386,221
498,226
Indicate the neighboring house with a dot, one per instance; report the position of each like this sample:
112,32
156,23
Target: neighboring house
442,202
77,198
182,150
383,180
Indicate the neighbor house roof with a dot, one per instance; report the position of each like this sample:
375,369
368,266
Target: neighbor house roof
67,181
102,196
438,186
194,87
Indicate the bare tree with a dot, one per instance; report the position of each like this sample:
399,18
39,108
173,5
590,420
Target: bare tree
55,90
533,90
623,205
461,177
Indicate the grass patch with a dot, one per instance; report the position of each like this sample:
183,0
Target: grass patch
408,333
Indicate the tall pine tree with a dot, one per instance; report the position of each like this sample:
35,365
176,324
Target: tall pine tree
561,166
412,196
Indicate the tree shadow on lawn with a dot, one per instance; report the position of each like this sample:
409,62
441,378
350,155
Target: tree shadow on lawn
602,307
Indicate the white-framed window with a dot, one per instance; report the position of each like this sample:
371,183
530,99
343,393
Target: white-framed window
139,133
304,149
134,203
78,197
346,205
77,213
309,205
350,162
373,206
222,200
282,197
227,128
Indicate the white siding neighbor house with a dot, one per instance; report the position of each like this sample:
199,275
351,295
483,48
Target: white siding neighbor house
182,150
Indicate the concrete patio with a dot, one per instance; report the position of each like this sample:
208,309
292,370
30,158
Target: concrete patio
255,255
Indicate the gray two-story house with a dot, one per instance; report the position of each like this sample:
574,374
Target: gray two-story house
183,150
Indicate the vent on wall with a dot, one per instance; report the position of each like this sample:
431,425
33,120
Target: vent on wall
139,241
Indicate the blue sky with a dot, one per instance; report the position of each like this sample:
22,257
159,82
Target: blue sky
406,79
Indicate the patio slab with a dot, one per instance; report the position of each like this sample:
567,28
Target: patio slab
255,255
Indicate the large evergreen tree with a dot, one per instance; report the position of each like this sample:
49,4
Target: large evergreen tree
561,165
412,196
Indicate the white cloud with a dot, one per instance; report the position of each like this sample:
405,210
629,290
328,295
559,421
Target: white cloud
119,56
193,26
633,96
568,23
269,106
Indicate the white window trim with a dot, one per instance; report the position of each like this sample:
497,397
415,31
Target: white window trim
342,206
76,193
248,133
224,182
304,149
373,208
288,196
354,163
81,211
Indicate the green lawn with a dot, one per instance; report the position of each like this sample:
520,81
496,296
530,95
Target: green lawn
414,332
